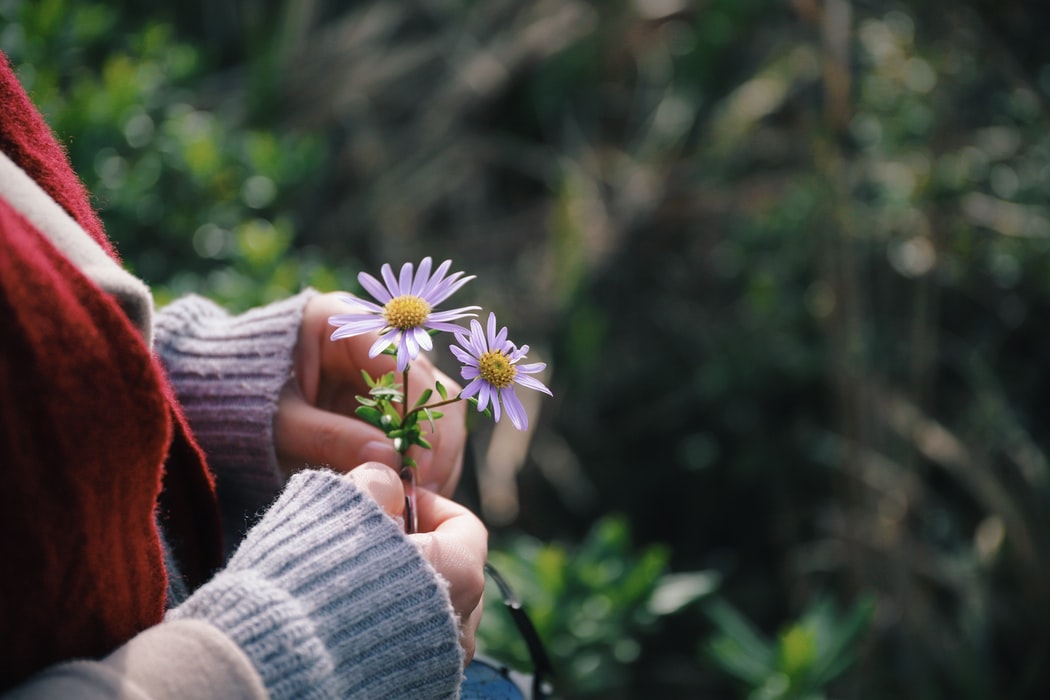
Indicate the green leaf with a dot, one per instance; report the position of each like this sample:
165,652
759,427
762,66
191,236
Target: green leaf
441,390
368,378
431,417
736,660
488,409
365,401
747,640
797,650
370,415
387,393
676,591
407,461
422,441
838,654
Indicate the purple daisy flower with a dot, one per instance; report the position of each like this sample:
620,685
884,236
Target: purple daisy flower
407,310
490,362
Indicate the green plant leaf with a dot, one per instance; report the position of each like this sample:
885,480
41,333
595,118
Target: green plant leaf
370,415
674,592
735,628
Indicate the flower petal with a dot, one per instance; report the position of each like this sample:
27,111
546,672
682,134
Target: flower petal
343,319
391,281
477,339
517,353
373,287
410,344
406,278
404,355
422,276
532,383
382,343
468,372
423,339
495,404
364,306
491,334
348,330
453,314
447,288
532,368
462,337
484,395
501,338
447,327
515,410
464,357
435,279
471,389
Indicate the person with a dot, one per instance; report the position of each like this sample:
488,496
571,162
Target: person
133,440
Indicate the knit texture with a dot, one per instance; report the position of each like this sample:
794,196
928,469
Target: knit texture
329,600
228,372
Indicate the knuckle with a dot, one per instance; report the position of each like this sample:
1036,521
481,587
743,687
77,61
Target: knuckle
325,441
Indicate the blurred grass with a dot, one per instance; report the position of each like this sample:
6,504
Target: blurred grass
786,261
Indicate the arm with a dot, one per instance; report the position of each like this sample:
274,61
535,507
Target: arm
228,372
324,598
329,599
184,659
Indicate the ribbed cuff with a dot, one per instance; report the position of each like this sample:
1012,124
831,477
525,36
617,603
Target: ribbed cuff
329,599
228,372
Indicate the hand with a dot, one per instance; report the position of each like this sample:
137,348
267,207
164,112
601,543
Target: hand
451,538
315,423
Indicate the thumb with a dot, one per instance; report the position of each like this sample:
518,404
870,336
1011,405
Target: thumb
382,484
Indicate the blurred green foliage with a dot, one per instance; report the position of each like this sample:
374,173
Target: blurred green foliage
805,658
196,199
594,603
786,259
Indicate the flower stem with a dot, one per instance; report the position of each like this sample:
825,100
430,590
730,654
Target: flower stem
436,404
408,473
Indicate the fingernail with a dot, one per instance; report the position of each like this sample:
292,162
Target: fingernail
378,451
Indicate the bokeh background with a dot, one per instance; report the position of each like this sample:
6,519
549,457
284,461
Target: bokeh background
787,261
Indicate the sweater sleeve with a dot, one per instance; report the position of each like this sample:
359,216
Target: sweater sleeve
329,600
170,661
228,372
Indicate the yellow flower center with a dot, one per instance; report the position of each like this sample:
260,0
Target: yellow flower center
406,311
496,369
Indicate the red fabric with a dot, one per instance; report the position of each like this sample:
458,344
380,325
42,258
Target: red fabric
27,140
91,440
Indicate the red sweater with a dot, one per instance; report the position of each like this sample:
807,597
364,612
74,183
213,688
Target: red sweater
93,445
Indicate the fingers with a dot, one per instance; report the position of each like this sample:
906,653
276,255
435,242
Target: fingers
381,483
441,466
329,376
468,632
455,542
308,436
